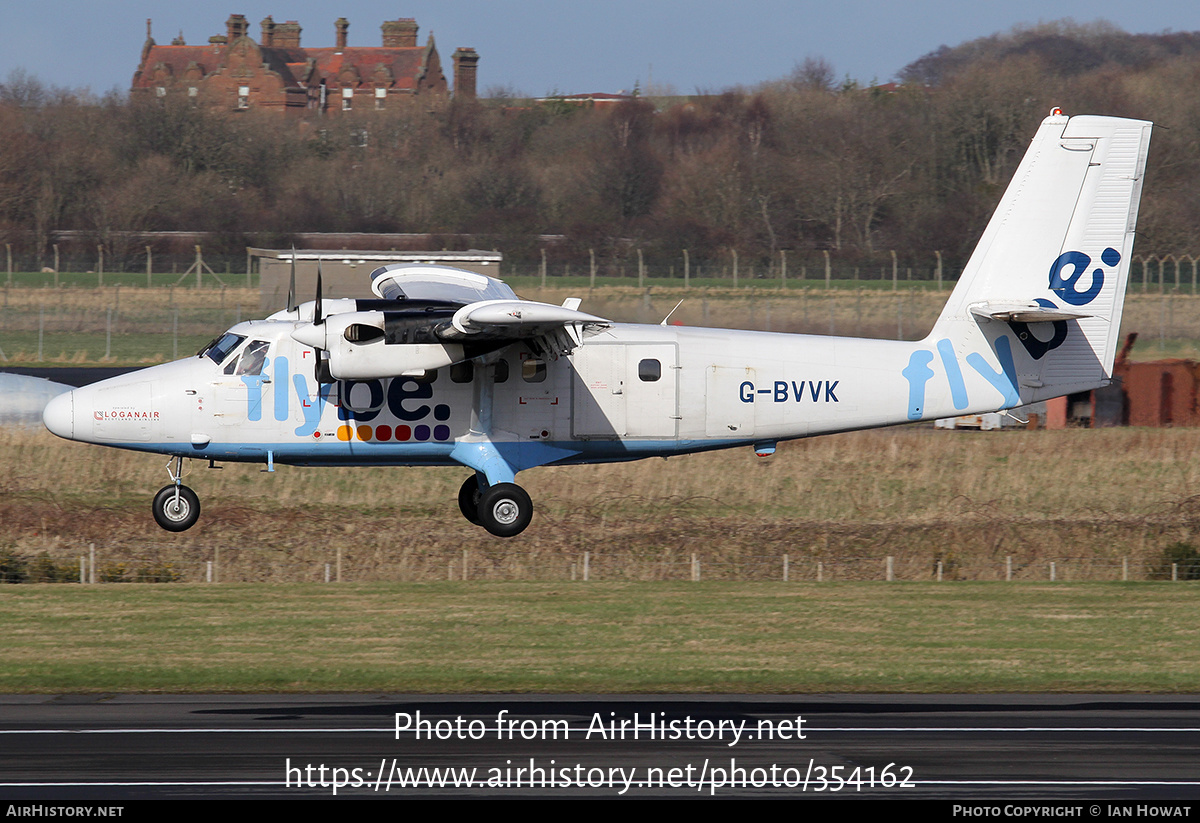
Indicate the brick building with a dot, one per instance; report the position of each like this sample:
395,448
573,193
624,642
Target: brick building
234,72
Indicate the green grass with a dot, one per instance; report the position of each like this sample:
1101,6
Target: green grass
602,637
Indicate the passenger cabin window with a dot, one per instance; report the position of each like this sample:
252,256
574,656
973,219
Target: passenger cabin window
533,370
649,371
501,371
462,372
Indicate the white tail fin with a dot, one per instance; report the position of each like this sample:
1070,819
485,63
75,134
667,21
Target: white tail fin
1044,290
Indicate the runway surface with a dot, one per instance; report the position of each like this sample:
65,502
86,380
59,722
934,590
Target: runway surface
1095,751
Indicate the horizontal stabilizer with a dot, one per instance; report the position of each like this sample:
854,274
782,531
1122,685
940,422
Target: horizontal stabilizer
1025,312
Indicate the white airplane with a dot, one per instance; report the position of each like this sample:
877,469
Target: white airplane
451,368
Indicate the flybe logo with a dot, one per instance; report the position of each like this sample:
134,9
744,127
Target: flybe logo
1067,283
360,403
1070,280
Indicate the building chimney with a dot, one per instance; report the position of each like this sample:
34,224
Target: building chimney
235,27
287,35
343,26
400,34
466,62
268,32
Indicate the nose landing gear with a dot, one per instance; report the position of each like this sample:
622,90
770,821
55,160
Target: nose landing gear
176,507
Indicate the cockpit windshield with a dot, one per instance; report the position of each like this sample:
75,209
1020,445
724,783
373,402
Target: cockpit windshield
220,348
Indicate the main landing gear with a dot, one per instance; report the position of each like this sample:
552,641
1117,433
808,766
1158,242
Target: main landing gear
503,509
176,507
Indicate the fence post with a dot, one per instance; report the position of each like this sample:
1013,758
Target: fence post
939,571
586,565
1125,569
208,577
592,276
783,268
464,572
8,250
828,273
1053,577
735,268
339,564
56,265
543,270
82,570
785,568
820,571
687,269
895,271
1008,568
92,563
939,269
100,266
890,570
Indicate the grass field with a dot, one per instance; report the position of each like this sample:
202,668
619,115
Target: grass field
602,638
1094,502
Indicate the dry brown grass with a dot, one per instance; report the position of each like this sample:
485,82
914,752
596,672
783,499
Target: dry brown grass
1083,499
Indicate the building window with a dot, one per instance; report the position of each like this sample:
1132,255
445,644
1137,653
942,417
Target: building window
243,97
380,98
347,99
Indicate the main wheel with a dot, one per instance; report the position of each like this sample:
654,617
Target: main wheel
468,499
176,516
505,510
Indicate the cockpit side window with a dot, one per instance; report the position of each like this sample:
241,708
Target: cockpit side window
220,348
253,357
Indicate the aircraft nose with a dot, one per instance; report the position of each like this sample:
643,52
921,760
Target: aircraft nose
59,415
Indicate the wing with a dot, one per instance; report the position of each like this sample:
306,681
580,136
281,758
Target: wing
433,316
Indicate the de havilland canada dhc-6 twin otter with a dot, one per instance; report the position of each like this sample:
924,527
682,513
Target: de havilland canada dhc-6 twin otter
449,367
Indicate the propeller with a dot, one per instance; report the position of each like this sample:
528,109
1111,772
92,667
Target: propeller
319,374
291,297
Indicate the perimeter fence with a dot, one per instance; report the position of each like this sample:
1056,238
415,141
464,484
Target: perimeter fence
153,563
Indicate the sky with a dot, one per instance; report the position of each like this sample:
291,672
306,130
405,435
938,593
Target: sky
538,47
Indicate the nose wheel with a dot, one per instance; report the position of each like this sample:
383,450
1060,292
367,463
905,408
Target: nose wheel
504,509
176,507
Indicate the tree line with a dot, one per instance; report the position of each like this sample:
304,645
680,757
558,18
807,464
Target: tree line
802,164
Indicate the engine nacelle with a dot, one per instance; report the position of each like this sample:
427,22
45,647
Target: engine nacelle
369,345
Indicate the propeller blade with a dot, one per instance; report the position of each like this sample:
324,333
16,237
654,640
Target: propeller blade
317,320
291,298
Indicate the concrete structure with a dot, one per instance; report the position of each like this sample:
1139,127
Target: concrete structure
235,73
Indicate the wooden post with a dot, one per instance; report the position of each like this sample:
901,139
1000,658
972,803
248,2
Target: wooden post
687,268
641,270
543,268
939,269
828,272
783,268
100,265
895,272
149,266
592,276
735,268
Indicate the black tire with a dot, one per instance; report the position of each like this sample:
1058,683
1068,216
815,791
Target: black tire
505,510
468,499
172,518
